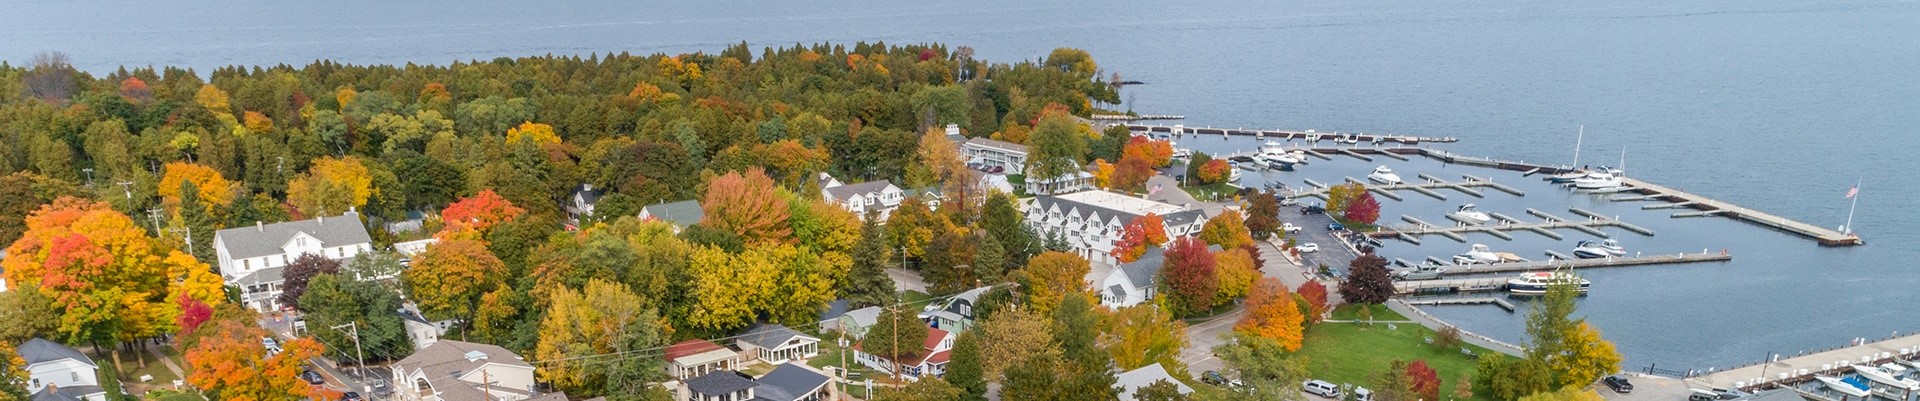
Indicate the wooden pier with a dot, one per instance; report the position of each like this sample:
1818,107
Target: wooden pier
1623,261
1450,286
1503,304
1508,223
1426,188
1289,135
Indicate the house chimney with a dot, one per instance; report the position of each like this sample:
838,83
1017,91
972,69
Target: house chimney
320,219
259,225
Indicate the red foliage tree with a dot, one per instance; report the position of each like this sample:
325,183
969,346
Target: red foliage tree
1363,209
1154,227
1214,171
1132,243
746,204
135,89
1188,277
193,313
1131,174
479,212
1423,380
1316,296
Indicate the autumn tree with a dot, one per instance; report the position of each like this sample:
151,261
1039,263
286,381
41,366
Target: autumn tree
1394,383
1102,173
1263,215
925,389
106,277
33,315
1423,380
897,335
1316,296
1214,171
1339,196
1142,335
214,189
230,363
1155,153
1056,147
23,192
1569,347
1568,393
1161,390
1268,369
1009,337
940,164
298,272
601,318
1130,175
1236,271
728,290
1132,243
531,131
1188,277
1227,230
1368,281
1050,276
746,204
448,279
1271,314
912,226
1363,209
479,213
331,186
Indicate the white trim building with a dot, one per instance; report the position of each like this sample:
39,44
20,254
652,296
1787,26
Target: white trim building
1091,221
252,258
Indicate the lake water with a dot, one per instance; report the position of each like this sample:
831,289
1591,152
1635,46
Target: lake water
1774,104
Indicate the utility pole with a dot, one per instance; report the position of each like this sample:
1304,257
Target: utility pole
124,188
184,232
153,213
353,329
89,171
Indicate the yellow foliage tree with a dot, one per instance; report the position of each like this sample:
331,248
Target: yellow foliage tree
256,122
1050,276
331,186
1271,314
727,288
1142,335
1569,393
1103,173
539,133
214,189
1591,356
108,279
594,320
214,100
1235,269
1012,336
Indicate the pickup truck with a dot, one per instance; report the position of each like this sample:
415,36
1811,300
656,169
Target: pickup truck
1289,228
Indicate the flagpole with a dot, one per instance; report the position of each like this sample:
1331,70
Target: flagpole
1856,204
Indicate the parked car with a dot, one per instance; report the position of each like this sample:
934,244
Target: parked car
1214,378
1289,227
312,377
1311,209
1618,384
1307,247
1321,388
1362,394
350,396
1336,227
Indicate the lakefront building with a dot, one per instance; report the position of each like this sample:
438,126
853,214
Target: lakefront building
1091,221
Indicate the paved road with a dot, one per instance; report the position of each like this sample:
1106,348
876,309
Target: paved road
1202,337
1170,192
904,280
1648,388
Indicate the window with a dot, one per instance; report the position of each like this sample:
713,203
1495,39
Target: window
246,264
76,376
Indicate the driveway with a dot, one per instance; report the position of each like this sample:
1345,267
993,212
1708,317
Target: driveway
906,280
1202,337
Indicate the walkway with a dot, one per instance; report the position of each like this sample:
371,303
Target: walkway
1810,362
1401,307
175,368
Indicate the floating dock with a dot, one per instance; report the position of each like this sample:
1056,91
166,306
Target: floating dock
1589,263
1289,135
1503,304
1702,206
1426,188
1590,226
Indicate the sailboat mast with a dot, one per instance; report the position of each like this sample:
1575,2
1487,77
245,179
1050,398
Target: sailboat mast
1576,144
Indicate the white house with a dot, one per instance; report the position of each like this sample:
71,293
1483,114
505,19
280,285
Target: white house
581,203
452,370
776,344
1131,381
423,333
878,197
1091,221
56,372
855,322
252,258
937,351
1010,157
956,315
694,358
681,214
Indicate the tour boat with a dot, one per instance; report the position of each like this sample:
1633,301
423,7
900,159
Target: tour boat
1536,283
1384,175
1590,250
1467,214
1479,253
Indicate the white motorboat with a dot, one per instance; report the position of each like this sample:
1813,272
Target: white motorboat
1467,214
1478,254
1536,283
1182,154
1384,175
1233,175
1590,250
1275,157
1612,247
1606,178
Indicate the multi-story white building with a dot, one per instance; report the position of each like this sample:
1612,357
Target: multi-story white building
56,372
1010,157
452,370
879,198
1091,221
252,258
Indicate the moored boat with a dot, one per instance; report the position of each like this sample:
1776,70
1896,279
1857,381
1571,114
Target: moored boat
1384,175
1478,254
1536,283
1467,214
1590,250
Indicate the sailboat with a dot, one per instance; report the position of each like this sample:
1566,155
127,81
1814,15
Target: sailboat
1569,176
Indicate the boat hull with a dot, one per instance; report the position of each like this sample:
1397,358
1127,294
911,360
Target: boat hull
1523,288
1590,253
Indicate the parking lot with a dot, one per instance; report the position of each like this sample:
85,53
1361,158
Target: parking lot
1333,253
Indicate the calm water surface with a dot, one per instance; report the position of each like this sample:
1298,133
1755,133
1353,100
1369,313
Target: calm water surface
1774,104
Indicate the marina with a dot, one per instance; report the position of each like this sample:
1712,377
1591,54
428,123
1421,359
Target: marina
1308,135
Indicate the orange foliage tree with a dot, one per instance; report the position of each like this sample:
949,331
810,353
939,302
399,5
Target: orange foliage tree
1214,171
1272,315
1155,228
108,279
1132,243
450,277
478,213
1156,153
1316,296
1131,174
214,189
230,362
747,205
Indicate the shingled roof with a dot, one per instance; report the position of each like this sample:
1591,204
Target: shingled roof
683,213
267,239
39,350
841,193
788,382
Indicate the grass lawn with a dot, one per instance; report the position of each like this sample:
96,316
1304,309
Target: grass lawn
1211,192
161,376
1353,353
165,395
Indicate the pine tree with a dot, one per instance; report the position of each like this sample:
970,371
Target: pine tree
867,283
965,371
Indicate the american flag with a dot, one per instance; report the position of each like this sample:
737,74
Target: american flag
1855,190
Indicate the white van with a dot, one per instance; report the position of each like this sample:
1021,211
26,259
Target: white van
1321,388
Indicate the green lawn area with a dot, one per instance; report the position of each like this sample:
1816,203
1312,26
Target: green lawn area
1353,353
166,395
161,376
1211,192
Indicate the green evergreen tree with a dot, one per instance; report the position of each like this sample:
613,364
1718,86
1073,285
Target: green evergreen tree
964,371
867,283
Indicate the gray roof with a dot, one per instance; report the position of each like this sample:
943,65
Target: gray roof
40,350
863,317
262,240
75,393
589,194
1141,271
996,144
446,358
1066,206
1132,380
1117,290
788,382
770,336
719,382
859,188
683,213
264,275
